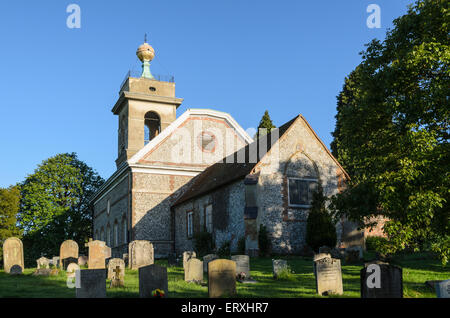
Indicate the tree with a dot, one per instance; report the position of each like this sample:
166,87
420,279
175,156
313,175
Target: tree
9,206
320,229
265,123
392,132
54,204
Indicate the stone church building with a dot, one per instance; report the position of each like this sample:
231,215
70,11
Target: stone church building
201,171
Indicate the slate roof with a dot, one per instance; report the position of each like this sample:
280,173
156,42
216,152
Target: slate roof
220,173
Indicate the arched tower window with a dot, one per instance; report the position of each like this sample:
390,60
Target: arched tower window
152,126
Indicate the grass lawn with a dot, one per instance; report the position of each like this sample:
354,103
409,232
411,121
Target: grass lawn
417,268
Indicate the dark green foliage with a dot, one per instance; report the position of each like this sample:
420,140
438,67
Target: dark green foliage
224,250
320,230
264,242
9,206
241,246
54,205
203,243
392,132
265,123
374,243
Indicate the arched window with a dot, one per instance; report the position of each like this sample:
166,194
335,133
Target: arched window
152,126
108,235
116,233
124,230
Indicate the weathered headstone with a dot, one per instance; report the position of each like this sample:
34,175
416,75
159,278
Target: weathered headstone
126,259
278,265
140,253
91,283
443,289
43,262
67,261
117,278
107,252
206,259
152,277
13,255
55,261
221,278
328,275
71,269
82,260
68,249
112,264
187,255
193,271
16,270
242,264
381,280
96,254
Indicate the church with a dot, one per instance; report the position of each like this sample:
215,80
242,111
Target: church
201,171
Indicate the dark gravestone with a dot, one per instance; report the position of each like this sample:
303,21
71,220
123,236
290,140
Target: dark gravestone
16,270
152,277
381,280
67,261
172,259
242,265
91,283
443,289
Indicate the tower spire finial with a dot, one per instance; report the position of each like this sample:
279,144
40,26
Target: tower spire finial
146,53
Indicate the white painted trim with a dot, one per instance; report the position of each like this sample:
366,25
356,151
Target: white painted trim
165,171
171,128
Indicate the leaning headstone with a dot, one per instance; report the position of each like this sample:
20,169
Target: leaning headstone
117,277
71,269
193,271
68,249
187,255
242,265
82,260
206,259
443,289
152,277
96,254
221,278
328,275
13,255
381,280
140,253
91,283
112,264
278,265
43,262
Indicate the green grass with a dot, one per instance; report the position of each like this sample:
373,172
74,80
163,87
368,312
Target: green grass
417,268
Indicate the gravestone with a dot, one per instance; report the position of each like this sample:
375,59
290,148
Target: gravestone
140,253
221,278
242,264
82,260
67,261
278,265
68,249
125,259
91,283
55,261
206,259
42,272
328,275
71,269
96,254
193,271
152,277
107,252
112,264
389,277
187,255
13,255
43,262
443,289
117,277
16,270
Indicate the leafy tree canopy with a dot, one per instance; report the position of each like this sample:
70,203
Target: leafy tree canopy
392,132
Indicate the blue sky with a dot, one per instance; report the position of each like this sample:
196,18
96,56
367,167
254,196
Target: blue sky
58,85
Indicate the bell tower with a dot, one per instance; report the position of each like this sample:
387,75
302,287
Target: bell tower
145,107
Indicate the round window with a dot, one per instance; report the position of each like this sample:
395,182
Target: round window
207,141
